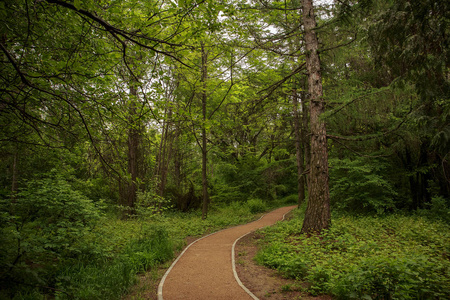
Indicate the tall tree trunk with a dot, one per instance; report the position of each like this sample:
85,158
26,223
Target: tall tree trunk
177,162
205,200
298,149
317,215
133,153
306,141
14,185
164,155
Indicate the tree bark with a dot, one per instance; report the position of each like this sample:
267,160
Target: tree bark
306,142
129,191
317,215
298,149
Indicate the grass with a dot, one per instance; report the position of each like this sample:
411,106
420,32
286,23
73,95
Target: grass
362,257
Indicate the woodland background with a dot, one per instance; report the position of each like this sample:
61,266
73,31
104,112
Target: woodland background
121,120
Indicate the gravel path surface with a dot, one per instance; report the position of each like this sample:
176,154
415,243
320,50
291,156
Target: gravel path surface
205,269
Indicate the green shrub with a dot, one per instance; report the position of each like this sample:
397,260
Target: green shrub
289,200
438,209
256,206
45,226
149,204
360,186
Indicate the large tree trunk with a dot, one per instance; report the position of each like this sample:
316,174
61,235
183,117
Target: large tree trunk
205,200
317,216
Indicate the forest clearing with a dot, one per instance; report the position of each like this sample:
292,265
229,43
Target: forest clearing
131,128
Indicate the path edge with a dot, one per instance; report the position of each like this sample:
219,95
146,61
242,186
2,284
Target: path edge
163,279
233,259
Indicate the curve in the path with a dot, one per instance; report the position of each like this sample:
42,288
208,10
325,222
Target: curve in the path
205,269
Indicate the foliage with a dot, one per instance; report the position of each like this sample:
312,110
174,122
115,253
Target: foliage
360,185
389,257
45,223
256,206
254,178
107,95
438,209
103,259
150,203
290,199
110,279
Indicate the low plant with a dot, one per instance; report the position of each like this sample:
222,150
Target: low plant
111,278
385,257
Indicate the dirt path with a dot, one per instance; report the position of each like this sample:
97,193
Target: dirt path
205,269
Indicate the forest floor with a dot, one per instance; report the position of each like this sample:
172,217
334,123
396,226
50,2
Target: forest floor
265,283
261,281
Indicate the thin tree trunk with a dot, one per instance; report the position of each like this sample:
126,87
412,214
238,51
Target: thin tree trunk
177,160
161,154
15,176
317,215
205,200
298,150
133,151
164,153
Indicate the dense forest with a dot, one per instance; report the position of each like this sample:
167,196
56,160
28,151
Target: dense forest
128,125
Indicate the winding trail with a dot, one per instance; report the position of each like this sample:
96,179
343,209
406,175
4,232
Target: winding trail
205,269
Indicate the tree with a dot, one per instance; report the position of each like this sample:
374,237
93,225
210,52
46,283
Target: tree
403,59
317,215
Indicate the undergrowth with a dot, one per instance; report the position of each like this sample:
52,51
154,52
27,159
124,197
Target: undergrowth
387,257
56,255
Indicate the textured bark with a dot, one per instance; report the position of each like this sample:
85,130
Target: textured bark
306,142
205,201
317,215
298,150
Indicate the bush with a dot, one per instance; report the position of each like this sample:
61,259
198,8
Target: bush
438,209
360,186
290,200
45,226
256,206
